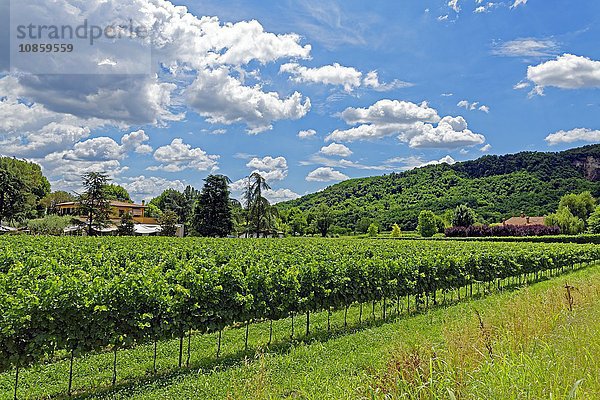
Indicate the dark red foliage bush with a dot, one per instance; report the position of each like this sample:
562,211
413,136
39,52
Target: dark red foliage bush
502,231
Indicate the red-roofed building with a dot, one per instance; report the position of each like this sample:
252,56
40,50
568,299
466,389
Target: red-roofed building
143,225
524,220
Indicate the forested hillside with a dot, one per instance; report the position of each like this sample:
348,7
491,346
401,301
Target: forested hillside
496,187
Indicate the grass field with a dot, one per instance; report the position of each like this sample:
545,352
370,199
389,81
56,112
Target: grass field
523,344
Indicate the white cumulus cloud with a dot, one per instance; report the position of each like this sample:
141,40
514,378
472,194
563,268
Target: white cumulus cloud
391,112
473,106
565,72
412,162
270,168
105,149
223,99
416,124
450,132
179,156
444,160
453,4
307,134
325,174
336,74
278,195
335,149
147,187
135,141
573,135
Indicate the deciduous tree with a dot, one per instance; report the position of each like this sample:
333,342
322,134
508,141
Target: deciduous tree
427,223
568,223
323,219
172,200
581,205
168,223
373,230
593,221
50,201
117,192
22,185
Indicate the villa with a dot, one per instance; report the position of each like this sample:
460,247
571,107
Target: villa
143,225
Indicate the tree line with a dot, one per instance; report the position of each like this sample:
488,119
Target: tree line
496,187
25,198
576,213
209,212
27,201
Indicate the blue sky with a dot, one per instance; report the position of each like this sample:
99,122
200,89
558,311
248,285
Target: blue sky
376,87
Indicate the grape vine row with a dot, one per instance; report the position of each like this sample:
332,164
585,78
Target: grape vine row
80,295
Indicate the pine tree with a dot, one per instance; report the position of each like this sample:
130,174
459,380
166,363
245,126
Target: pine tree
212,212
94,203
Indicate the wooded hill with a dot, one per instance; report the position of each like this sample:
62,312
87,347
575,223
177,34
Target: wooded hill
496,187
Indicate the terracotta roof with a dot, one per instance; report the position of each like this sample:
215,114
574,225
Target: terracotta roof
525,221
125,204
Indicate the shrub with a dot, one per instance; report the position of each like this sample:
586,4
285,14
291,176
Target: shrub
396,232
373,230
427,223
50,225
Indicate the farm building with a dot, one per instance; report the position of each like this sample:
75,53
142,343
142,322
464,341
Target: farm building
143,225
524,220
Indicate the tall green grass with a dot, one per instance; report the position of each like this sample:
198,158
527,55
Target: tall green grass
529,345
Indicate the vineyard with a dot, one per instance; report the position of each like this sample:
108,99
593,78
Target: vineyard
74,296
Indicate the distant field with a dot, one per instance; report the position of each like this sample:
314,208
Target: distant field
352,334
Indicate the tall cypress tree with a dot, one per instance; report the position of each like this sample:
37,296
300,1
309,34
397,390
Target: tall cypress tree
212,212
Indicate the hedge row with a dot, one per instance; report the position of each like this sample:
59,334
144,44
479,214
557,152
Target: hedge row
502,231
